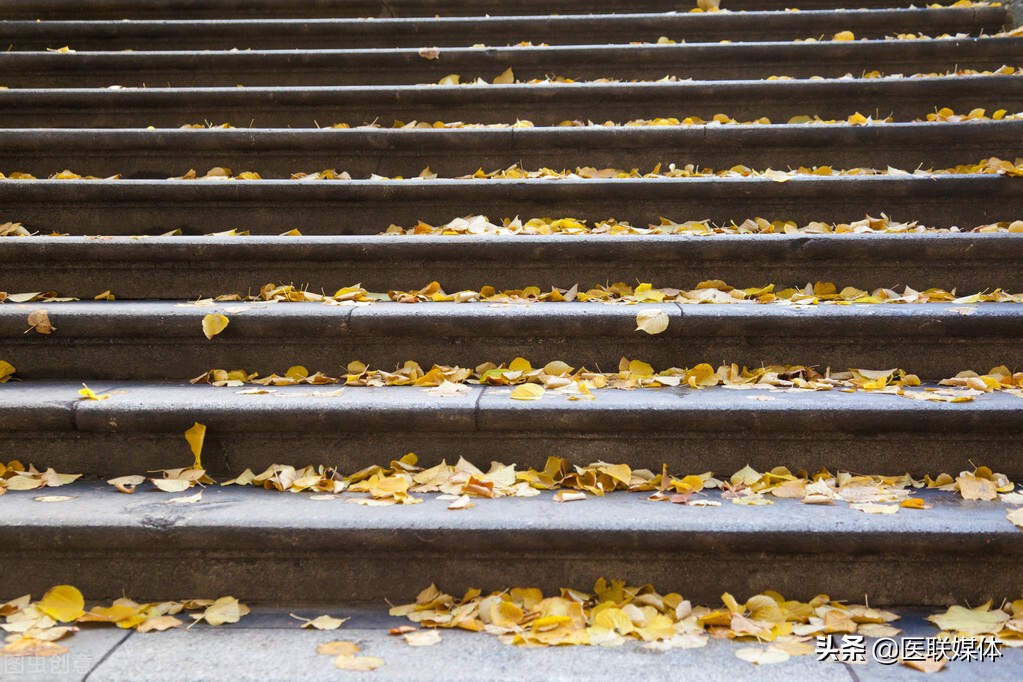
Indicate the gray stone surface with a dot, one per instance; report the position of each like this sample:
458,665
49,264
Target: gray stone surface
270,547
198,267
268,645
145,340
86,650
140,426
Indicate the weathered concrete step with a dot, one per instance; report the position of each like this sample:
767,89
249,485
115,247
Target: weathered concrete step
267,546
267,646
700,61
543,104
258,9
158,154
132,207
139,428
199,267
163,340
465,31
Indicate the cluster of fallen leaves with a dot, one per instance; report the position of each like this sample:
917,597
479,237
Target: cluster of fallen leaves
942,115
560,378
174,480
34,627
706,292
507,77
17,476
480,225
1004,623
463,481
988,166
615,612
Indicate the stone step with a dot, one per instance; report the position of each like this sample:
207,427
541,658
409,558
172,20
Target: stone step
259,9
158,154
543,104
268,645
133,207
199,267
703,61
271,547
567,29
163,340
139,428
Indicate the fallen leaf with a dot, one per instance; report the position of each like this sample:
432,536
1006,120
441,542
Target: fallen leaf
62,603
338,648
191,499
54,498
6,371
360,663
423,637
88,394
871,508
213,324
651,321
39,320
171,485
159,624
324,622
462,502
28,646
126,484
402,629
569,496
1016,516
429,52
507,77
223,610
527,392
927,665
196,436
981,620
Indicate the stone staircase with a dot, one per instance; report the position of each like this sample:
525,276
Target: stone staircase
308,65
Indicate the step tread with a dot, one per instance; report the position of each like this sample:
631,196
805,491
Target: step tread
169,407
269,642
229,518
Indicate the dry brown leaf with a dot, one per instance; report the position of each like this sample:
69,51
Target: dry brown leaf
39,321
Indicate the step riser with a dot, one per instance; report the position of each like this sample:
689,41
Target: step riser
153,341
261,9
454,152
810,444
188,268
713,62
138,207
345,574
496,31
541,104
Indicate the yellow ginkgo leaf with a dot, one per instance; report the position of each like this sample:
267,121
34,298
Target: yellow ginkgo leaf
506,78
651,321
844,35
196,436
977,621
171,485
213,324
358,663
527,392
63,603
6,371
88,394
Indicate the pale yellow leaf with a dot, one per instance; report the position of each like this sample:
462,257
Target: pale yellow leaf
651,321
213,324
527,392
423,637
361,663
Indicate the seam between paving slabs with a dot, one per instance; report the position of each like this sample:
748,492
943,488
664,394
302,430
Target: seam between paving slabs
108,653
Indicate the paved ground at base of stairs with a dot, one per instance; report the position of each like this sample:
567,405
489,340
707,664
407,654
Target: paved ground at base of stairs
269,645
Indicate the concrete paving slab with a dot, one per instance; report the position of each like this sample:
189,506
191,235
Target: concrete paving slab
86,650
